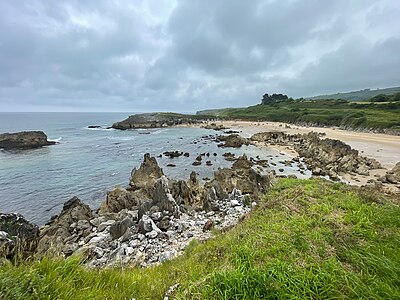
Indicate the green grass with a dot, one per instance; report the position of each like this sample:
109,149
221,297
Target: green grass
322,112
308,239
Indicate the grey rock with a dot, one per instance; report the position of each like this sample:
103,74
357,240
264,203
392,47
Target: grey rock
156,216
18,234
24,140
104,225
164,224
70,248
82,225
162,197
152,234
166,255
120,227
146,224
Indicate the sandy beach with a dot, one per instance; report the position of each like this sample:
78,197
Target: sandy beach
382,147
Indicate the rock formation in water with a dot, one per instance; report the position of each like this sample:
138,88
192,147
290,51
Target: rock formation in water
153,120
232,140
24,140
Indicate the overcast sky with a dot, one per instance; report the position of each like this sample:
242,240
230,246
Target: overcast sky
166,55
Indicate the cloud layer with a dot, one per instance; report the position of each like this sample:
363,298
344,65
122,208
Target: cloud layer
164,55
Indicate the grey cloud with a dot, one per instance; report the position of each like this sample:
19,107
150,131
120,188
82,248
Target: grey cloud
187,55
356,65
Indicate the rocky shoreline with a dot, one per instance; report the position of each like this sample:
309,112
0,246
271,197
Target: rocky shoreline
149,222
155,218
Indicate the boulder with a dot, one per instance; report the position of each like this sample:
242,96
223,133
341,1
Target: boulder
53,236
167,255
119,228
119,199
392,176
232,140
173,154
17,235
146,224
24,140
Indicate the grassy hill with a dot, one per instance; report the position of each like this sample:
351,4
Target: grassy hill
368,115
307,239
358,95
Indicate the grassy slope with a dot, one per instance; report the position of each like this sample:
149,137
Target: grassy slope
327,112
307,239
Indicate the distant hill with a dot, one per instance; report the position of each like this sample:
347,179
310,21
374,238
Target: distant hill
209,112
358,95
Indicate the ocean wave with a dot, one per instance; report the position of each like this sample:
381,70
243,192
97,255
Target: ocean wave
99,129
159,131
55,140
121,138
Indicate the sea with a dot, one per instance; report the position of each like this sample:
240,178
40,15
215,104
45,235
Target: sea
89,162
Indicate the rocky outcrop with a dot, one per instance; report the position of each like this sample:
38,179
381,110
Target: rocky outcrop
232,140
119,199
58,235
153,120
243,176
162,197
141,228
145,177
323,156
187,193
24,140
17,235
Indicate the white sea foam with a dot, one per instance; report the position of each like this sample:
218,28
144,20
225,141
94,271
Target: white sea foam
159,131
99,129
121,138
55,140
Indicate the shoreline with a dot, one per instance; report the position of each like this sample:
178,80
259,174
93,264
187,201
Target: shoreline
382,147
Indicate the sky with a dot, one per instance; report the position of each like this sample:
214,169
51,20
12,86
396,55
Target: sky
173,55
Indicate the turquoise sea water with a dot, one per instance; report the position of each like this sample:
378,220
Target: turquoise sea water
88,162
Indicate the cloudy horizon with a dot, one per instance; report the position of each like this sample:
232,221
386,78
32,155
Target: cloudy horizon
189,55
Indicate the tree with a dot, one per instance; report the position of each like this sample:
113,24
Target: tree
274,98
396,97
380,98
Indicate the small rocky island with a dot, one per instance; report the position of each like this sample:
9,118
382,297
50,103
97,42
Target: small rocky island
154,120
24,140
